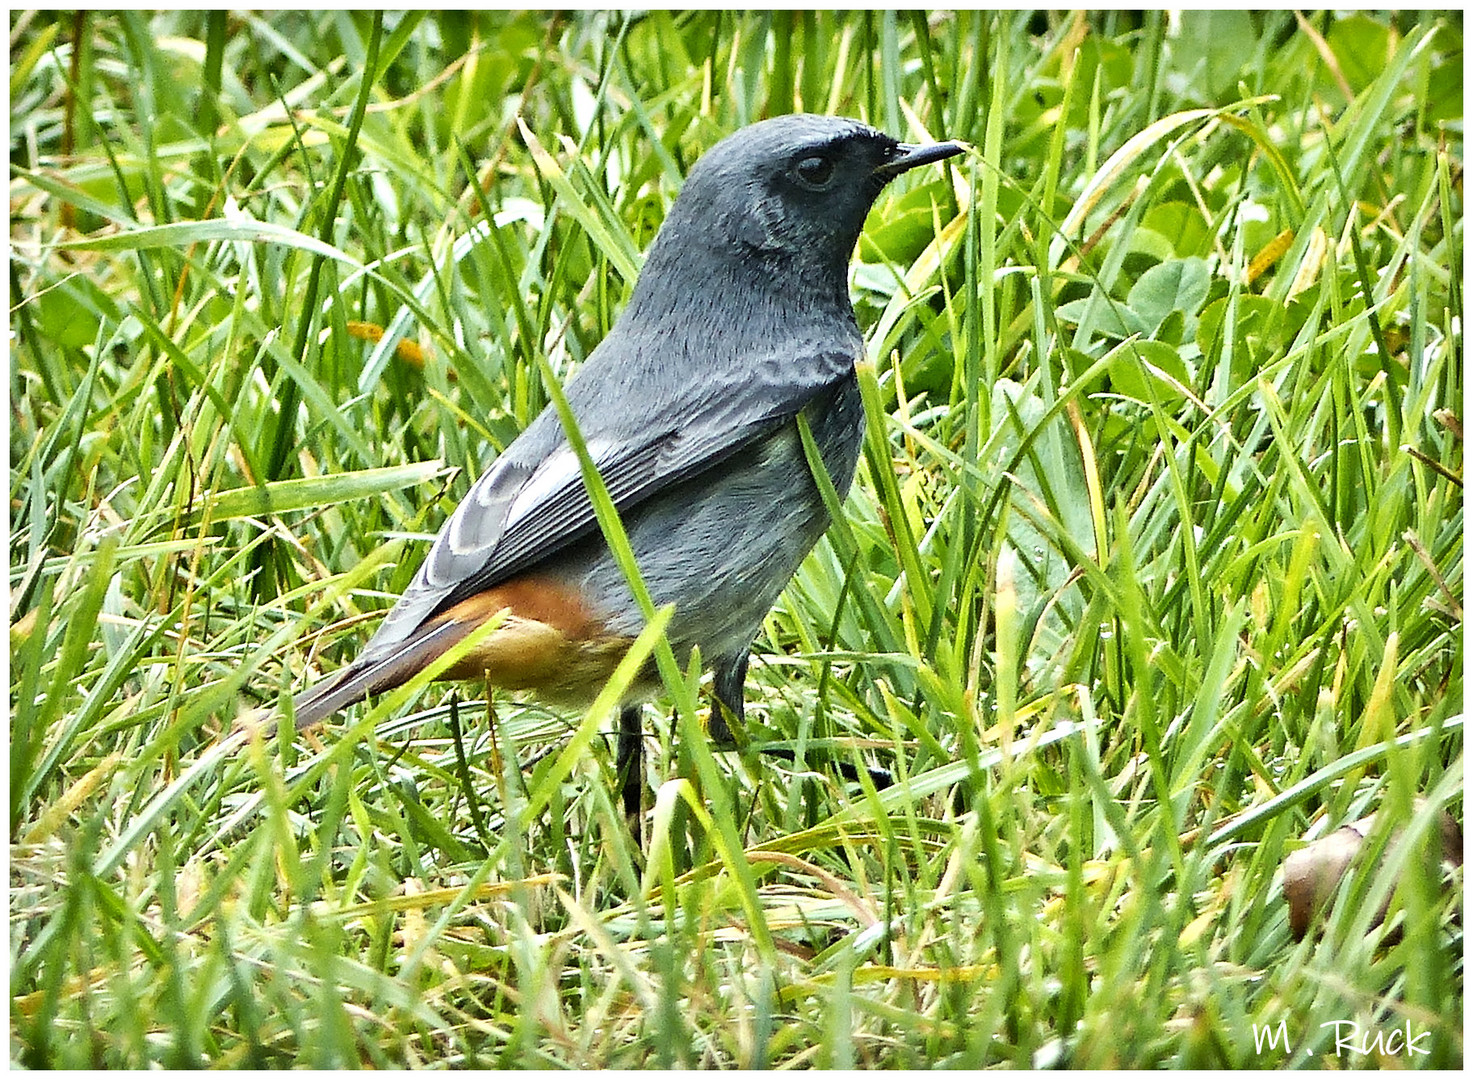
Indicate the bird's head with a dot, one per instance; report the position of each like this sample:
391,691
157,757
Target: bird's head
793,189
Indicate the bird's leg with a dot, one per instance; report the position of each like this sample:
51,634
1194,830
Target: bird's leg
727,703
629,763
726,688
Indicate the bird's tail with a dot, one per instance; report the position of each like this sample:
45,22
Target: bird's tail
360,678
322,699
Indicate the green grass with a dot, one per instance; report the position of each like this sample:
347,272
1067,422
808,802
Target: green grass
1153,571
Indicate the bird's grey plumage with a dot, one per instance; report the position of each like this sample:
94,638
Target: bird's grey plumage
739,321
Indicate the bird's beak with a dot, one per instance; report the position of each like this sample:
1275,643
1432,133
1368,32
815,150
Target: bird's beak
906,156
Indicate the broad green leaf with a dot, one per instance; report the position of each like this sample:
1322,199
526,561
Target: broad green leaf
1179,285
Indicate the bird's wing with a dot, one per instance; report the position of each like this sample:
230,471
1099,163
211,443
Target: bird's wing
522,511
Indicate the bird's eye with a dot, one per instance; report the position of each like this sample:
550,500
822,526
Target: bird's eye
814,172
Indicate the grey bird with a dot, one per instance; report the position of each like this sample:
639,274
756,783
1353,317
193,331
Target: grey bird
739,322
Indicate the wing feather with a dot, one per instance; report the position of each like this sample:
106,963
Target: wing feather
532,502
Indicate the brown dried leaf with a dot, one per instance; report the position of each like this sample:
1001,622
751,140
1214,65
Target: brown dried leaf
1314,872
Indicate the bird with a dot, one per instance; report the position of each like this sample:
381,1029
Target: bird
739,322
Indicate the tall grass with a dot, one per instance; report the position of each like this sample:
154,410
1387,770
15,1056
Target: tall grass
1152,574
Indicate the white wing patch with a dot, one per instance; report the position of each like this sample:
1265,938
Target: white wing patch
555,474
